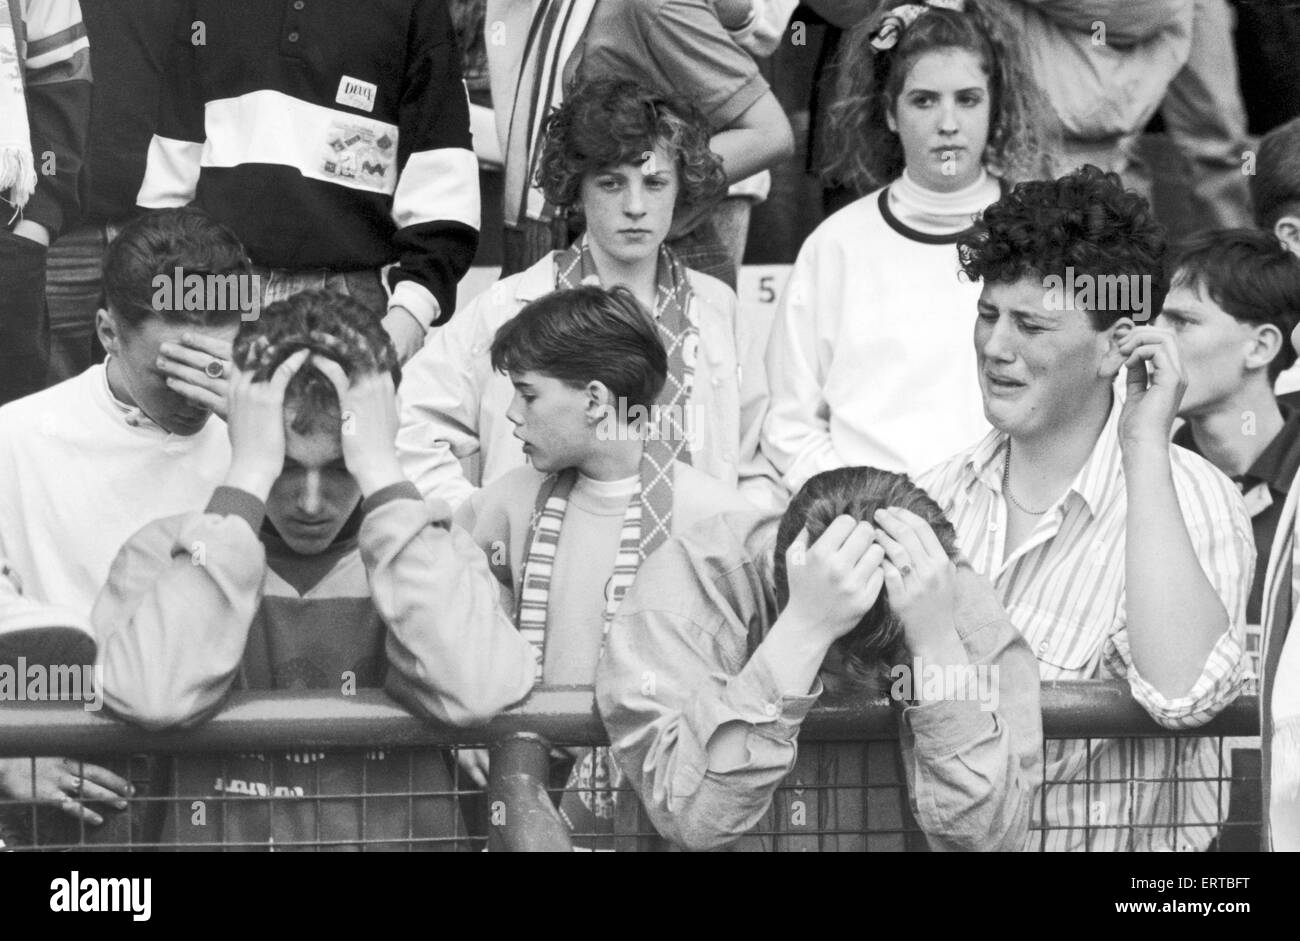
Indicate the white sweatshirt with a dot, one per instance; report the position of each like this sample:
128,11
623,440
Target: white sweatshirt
80,473
871,359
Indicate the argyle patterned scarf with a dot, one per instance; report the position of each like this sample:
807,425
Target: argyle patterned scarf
680,333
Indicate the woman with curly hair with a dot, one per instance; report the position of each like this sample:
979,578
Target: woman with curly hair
870,356
629,159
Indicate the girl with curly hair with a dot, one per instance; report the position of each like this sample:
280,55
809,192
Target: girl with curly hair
870,355
629,160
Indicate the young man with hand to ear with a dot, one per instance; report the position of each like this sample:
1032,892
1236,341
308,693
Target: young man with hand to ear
1116,554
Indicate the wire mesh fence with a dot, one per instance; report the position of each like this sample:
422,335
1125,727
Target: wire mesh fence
307,771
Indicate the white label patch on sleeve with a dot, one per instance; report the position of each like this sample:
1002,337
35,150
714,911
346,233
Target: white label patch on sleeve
355,93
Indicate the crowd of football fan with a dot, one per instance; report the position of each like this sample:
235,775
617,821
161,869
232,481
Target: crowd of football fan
1001,428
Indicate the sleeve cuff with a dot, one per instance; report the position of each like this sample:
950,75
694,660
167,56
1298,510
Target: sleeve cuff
418,300
754,697
943,727
402,490
1218,684
231,501
44,210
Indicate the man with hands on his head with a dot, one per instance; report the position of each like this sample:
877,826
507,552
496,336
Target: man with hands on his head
716,656
316,565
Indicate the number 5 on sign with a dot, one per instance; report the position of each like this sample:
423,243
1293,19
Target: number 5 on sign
760,288
761,284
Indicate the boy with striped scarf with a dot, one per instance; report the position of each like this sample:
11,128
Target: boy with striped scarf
606,486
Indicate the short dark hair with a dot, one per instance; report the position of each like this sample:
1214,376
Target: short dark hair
585,334
1275,184
876,640
610,121
1085,221
158,243
329,324
1251,275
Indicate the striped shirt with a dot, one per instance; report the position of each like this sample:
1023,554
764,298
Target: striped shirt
55,57
328,135
1064,589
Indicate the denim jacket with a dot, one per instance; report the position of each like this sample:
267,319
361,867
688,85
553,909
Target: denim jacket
679,664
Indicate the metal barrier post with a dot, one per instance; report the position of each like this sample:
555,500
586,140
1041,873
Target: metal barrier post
522,817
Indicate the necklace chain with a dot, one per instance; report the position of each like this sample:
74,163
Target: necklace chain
1006,486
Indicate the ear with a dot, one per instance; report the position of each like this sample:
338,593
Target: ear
890,121
599,401
1287,229
1265,343
1112,360
109,330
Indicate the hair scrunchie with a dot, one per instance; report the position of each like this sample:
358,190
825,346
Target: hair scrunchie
898,19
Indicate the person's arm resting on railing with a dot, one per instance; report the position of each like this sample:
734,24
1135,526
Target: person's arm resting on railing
1189,553
453,652
973,743
703,736
975,764
174,615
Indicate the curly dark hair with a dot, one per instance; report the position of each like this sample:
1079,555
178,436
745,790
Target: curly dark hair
1085,221
1024,133
610,121
329,324
877,640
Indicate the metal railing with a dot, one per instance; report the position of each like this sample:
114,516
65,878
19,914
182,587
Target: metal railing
518,811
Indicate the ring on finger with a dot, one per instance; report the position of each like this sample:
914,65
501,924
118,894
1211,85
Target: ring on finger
216,369
905,569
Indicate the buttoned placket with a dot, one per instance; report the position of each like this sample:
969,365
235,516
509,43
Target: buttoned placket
1046,529
291,37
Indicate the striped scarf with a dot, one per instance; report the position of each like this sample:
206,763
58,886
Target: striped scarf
539,563
589,801
17,166
558,26
588,804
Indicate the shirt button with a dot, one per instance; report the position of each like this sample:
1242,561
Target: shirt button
993,526
293,37
1042,648
770,709
298,4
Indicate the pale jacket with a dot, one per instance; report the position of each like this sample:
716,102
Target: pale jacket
453,405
